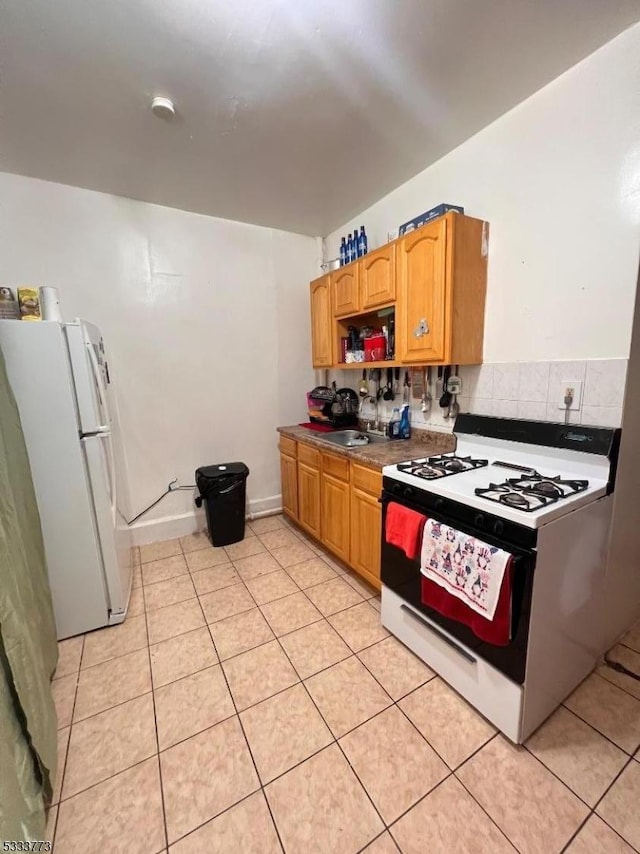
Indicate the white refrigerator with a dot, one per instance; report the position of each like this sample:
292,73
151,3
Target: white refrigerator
60,378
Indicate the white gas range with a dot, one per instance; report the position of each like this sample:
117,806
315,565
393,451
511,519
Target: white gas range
542,492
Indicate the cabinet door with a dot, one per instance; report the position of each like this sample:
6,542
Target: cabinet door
289,480
309,498
321,323
335,516
366,522
345,284
421,328
378,277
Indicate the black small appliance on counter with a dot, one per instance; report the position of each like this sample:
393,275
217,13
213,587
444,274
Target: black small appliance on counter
337,407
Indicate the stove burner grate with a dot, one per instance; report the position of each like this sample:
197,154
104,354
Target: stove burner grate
531,492
443,465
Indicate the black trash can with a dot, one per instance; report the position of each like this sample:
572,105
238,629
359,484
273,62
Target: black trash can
223,490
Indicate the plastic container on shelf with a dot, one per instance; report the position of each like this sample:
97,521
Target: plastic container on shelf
375,348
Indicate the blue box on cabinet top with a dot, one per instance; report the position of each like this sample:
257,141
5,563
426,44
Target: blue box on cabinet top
427,216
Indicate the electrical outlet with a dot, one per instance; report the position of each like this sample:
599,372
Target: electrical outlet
575,388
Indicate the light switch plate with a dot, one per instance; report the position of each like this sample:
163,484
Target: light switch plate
576,385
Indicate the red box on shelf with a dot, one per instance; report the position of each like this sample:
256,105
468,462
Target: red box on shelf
375,349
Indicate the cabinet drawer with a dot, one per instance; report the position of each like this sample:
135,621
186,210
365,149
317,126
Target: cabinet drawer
338,467
366,479
309,455
288,446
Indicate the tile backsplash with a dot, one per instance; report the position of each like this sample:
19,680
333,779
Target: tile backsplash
519,390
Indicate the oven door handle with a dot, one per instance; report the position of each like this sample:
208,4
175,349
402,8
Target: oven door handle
441,635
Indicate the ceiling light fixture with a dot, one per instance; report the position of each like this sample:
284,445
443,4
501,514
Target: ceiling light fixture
163,108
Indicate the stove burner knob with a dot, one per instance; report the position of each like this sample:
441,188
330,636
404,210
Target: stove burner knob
479,521
498,528
396,489
439,504
408,492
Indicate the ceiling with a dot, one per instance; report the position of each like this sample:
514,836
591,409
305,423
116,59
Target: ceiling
295,114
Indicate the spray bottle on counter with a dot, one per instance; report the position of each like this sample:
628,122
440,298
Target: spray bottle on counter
405,422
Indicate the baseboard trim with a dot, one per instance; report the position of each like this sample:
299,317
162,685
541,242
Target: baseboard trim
183,524
264,506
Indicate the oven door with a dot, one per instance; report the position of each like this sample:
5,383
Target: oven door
403,576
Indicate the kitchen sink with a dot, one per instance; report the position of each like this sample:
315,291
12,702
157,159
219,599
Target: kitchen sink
352,438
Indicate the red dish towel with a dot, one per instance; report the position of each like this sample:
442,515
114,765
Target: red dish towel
403,528
467,580
496,631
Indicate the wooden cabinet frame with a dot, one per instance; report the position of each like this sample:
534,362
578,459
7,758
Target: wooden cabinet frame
436,274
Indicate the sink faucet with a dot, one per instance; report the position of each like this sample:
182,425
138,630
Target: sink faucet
374,400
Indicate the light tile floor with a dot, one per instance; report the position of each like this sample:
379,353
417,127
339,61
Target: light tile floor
252,702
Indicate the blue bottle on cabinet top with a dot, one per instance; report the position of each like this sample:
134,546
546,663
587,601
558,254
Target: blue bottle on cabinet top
362,242
356,244
350,252
343,252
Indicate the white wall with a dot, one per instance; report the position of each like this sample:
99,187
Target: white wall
558,178
622,607
206,322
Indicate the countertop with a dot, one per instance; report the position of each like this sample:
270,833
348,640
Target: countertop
421,444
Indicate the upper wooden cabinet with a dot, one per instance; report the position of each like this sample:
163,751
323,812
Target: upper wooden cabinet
421,314
435,277
378,277
321,323
345,285
442,278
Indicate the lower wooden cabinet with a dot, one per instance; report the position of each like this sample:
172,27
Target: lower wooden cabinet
336,501
366,523
309,498
335,522
365,535
289,479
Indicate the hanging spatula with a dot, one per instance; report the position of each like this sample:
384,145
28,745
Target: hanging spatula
426,398
445,397
363,385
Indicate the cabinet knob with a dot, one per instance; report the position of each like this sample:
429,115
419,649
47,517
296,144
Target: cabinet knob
421,329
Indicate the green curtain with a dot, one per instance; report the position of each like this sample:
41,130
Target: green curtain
28,647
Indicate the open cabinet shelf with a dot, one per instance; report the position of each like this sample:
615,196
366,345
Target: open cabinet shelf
387,363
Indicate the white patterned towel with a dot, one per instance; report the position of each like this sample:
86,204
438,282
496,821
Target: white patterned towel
465,567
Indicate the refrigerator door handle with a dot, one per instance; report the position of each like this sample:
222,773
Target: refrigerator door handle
106,435
101,483
97,375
